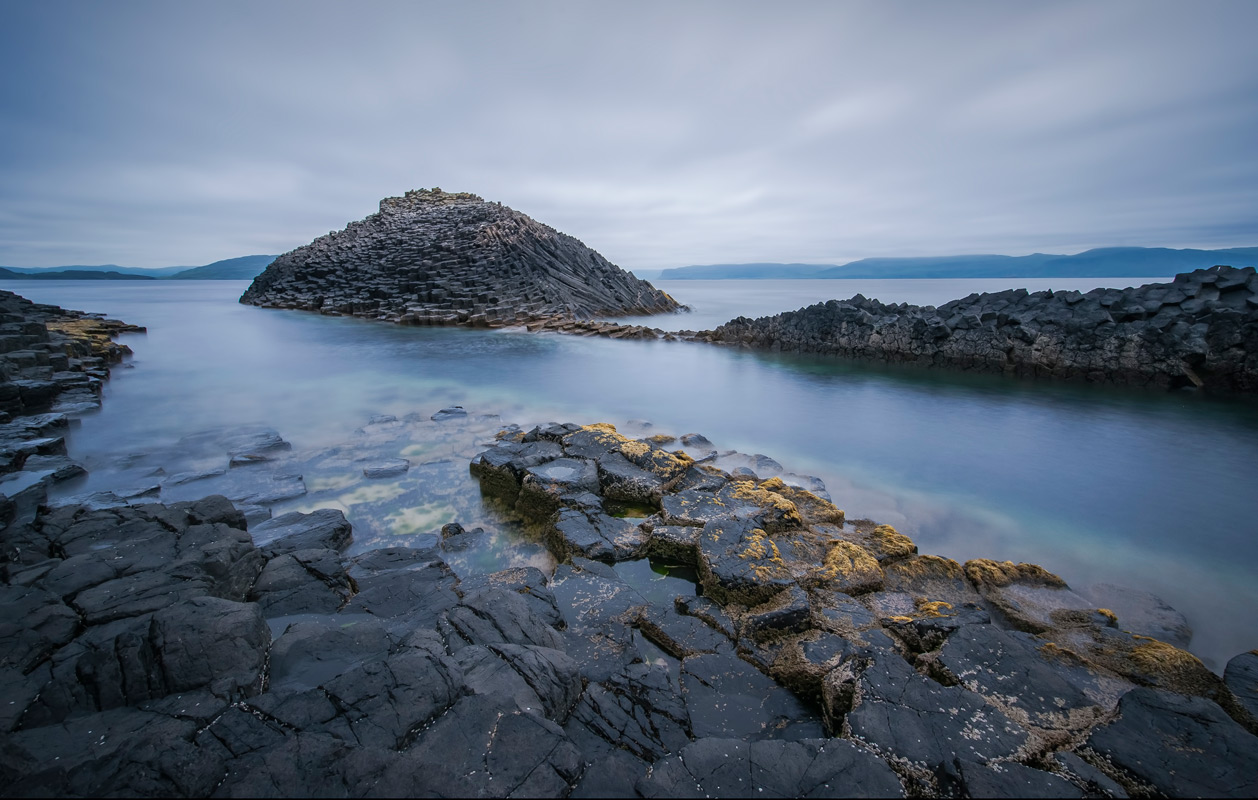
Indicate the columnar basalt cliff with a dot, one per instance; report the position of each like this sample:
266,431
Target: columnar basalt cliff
1199,330
439,258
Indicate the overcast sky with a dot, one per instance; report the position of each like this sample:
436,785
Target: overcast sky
660,134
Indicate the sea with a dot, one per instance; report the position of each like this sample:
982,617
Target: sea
1147,489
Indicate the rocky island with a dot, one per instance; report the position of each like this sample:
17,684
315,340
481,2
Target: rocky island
1199,330
441,258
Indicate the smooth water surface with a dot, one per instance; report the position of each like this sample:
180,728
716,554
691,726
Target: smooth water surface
1147,489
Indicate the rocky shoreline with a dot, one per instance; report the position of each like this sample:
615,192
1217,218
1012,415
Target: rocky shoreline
197,647
1200,330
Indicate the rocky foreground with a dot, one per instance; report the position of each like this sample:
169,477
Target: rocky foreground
176,649
1199,330
439,258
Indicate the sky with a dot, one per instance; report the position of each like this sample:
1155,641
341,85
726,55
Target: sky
661,134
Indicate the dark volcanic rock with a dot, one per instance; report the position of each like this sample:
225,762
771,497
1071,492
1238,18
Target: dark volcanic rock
436,258
733,768
1180,746
1188,333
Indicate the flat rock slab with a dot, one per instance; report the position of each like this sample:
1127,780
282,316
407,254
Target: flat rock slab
485,747
716,767
325,528
1180,746
727,697
1010,670
639,709
906,715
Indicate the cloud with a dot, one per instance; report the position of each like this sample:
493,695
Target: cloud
661,134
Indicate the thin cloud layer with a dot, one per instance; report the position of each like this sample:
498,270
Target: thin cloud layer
152,134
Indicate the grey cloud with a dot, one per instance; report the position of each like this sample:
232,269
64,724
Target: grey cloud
660,134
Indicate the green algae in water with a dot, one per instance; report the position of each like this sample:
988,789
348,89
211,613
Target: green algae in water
419,519
659,581
624,510
331,482
372,494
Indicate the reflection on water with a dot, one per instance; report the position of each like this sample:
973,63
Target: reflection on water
1148,489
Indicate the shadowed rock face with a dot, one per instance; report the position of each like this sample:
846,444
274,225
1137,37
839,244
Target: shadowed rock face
438,258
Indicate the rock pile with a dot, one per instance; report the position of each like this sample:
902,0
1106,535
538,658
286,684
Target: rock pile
438,258
1199,330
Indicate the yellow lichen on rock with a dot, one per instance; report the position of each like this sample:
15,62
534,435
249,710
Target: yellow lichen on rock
919,568
1109,615
600,426
984,572
890,543
1165,660
786,511
661,462
812,509
932,608
850,564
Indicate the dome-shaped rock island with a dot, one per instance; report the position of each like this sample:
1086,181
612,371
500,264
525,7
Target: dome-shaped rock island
441,258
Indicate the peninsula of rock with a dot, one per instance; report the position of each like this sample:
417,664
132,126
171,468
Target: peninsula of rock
440,258
1201,329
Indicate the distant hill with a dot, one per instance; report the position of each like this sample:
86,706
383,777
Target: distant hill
71,275
1105,262
157,272
244,268
743,271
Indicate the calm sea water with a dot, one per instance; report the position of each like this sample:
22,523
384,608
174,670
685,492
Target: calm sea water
1152,490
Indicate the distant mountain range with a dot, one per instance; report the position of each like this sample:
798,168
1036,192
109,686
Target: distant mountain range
1104,262
244,268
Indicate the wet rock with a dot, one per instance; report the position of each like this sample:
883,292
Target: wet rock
678,635
723,767
709,612
597,606
638,708
540,680
904,715
1241,677
727,697
386,701
314,651
306,765
529,583
420,589
542,486
204,642
498,615
789,612
124,751
325,528
739,562
1009,779
302,582
483,748
35,624
1177,746
597,536
1010,670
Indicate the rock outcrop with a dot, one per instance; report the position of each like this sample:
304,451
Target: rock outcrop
52,363
1199,330
438,258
